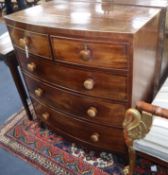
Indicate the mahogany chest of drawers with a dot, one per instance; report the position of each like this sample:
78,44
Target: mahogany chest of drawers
85,63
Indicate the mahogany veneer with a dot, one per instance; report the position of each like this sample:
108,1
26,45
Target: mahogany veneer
85,63
162,65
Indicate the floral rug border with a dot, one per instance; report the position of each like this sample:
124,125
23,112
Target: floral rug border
35,159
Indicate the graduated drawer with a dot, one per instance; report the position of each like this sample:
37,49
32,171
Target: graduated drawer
91,53
88,82
92,134
88,108
31,42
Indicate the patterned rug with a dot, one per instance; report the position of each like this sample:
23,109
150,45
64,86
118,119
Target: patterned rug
53,155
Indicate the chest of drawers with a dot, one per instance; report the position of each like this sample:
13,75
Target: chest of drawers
85,63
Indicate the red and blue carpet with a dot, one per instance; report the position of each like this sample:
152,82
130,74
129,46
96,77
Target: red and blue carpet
54,155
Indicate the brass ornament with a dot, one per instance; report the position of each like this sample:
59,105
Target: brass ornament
136,125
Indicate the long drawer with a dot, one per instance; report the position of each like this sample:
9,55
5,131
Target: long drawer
91,53
35,43
87,108
84,81
91,134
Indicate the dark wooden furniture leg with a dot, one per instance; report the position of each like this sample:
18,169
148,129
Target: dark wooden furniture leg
12,63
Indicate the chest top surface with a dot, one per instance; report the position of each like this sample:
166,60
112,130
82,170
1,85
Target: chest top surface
85,16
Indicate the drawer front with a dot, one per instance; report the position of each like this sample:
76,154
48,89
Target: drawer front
88,108
95,54
31,42
89,82
86,132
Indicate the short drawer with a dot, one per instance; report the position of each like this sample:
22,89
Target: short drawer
90,53
88,82
86,132
31,42
88,108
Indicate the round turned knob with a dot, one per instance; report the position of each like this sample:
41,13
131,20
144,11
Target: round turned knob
88,84
24,41
95,137
45,115
38,92
31,67
92,112
85,54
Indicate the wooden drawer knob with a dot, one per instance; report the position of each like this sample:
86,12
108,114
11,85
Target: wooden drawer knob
85,54
31,67
88,84
92,112
38,92
24,41
45,116
95,137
